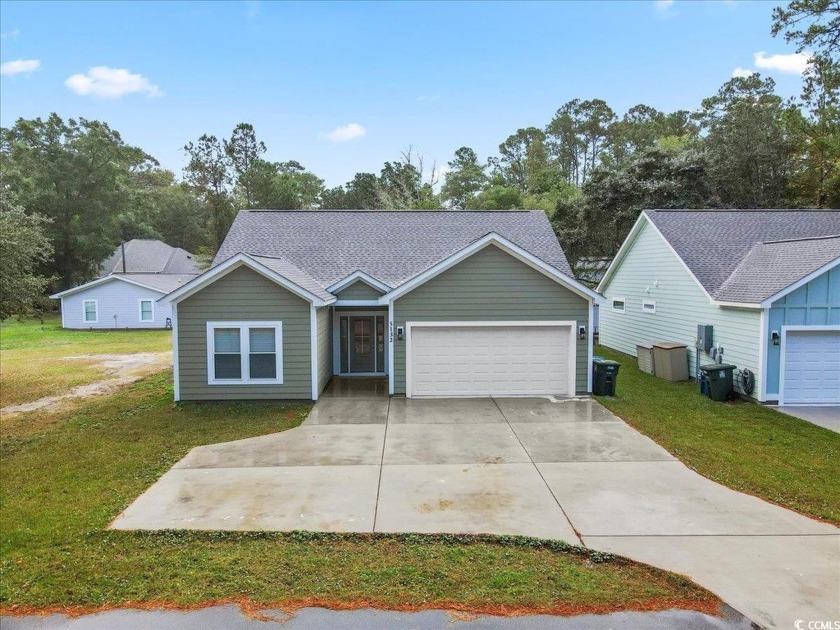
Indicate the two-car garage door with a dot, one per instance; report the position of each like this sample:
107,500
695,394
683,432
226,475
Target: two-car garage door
811,367
490,359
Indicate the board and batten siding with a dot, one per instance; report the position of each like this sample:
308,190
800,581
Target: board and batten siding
118,306
814,304
325,353
359,291
651,271
491,285
244,295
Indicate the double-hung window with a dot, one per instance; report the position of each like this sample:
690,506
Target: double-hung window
244,352
90,311
147,312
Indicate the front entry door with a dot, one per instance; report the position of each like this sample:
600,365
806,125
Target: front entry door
362,345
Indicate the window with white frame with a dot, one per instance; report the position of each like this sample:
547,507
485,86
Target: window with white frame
89,311
244,352
649,306
618,304
147,311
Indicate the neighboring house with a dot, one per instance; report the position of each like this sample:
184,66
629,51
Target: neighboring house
130,287
443,303
768,281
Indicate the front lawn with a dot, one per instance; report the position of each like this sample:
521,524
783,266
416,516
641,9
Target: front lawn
746,446
33,361
62,486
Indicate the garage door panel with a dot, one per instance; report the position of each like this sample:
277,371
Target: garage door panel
466,360
811,367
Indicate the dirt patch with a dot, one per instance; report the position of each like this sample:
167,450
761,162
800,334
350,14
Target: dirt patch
120,370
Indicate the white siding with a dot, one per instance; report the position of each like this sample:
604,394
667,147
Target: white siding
680,306
114,298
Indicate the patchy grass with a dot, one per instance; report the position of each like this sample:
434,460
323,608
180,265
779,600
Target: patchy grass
32,365
743,445
61,488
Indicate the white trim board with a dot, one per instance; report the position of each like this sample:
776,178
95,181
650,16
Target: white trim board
355,277
175,359
506,246
235,262
572,384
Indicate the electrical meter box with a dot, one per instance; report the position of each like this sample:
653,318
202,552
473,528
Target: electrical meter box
705,337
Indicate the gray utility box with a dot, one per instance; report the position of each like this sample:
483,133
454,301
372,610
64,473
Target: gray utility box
705,337
644,354
670,360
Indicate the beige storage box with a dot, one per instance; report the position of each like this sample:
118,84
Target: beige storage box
670,360
644,353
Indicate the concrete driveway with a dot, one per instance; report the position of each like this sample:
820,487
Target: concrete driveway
827,416
567,470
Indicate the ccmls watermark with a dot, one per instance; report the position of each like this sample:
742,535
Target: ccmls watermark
817,624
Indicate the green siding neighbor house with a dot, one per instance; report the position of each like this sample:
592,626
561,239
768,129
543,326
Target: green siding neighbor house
449,304
767,281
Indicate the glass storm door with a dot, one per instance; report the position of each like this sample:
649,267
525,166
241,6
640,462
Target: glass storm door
362,345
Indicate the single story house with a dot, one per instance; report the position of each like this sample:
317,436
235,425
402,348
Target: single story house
128,291
767,281
442,303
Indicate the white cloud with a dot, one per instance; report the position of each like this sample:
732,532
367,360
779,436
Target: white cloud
13,34
252,9
794,63
663,5
346,133
742,73
19,66
105,82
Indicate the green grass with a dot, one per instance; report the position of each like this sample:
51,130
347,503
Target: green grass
743,445
63,485
32,353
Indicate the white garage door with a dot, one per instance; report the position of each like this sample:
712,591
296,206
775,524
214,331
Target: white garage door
490,360
811,367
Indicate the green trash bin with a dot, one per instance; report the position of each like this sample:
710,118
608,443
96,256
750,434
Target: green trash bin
718,380
604,376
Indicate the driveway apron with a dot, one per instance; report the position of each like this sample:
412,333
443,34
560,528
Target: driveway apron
567,470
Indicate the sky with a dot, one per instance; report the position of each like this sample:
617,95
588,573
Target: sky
343,87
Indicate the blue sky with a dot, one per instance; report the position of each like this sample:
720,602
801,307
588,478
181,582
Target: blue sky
433,75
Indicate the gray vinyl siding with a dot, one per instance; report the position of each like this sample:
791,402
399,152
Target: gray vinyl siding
325,357
491,285
359,291
244,295
651,271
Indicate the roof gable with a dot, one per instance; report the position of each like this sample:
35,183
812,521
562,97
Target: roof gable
736,256
149,256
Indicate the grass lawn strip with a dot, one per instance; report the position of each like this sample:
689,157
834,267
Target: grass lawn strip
64,484
746,446
32,365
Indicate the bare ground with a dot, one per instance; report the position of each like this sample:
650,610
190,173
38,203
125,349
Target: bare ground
120,370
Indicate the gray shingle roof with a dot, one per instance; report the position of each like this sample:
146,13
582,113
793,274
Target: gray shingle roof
391,246
715,243
770,267
165,282
150,256
299,277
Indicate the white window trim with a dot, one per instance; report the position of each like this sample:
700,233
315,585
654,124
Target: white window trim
95,320
244,351
140,309
623,309
645,304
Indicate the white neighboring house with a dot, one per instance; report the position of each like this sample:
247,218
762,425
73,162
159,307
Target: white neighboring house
767,281
128,293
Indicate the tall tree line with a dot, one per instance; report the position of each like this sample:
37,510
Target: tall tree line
72,190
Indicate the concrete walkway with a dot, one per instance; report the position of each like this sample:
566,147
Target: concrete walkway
566,470
827,417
